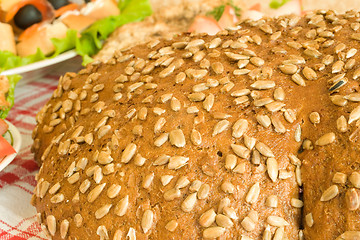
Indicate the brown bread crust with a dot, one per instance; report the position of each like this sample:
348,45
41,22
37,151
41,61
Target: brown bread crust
298,114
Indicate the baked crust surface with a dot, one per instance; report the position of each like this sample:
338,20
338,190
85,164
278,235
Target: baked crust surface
209,136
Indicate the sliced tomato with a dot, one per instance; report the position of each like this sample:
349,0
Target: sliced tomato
256,7
64,9
42,5
228,18
252,14
30,31
291,7
3,127
5,148
204,24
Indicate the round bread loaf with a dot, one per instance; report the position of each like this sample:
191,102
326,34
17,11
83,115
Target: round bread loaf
204,137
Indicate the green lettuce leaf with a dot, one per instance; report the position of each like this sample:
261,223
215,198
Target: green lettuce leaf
13,80
275,4
64,44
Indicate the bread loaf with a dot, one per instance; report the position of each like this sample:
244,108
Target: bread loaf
249,134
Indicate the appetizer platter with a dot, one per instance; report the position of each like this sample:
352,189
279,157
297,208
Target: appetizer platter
36,30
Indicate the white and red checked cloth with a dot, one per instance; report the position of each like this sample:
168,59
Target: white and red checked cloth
17,180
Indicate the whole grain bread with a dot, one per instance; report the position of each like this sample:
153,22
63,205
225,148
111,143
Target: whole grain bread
249,134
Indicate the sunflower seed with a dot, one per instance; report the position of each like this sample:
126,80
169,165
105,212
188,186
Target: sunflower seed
241,151
85,185
215,43
264,149
253,194
98,175
314,117
239,128
227,187
239,72
207,218
341,124
104,157
262,85
339,178
312,53
279,94
177,162
274,106
171,226
350,64
297,203
326,139
278,125
236,57
355,179
172,194
220,127
272,201
113,191
248,224
103,211
196,97
78,219
122,206
298,79
279,234
94,194
309,220
199,56
177,138
209,102
203,191
181,183
263,120
267,233
351,53
294,160
51,223
354,115
223,221
288,68
43,188
213,232
64,227
58,198
276,221
54,188
349,235
102,232
329,193
272,168
188,204
352,199
309,73
175,104
147,220
230,161
338,100
128,152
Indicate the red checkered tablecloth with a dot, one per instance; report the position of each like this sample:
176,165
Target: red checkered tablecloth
17,180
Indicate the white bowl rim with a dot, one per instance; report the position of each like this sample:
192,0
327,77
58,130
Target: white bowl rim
17,145
41,64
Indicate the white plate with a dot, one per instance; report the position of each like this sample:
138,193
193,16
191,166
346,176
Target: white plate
39,69
16,145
